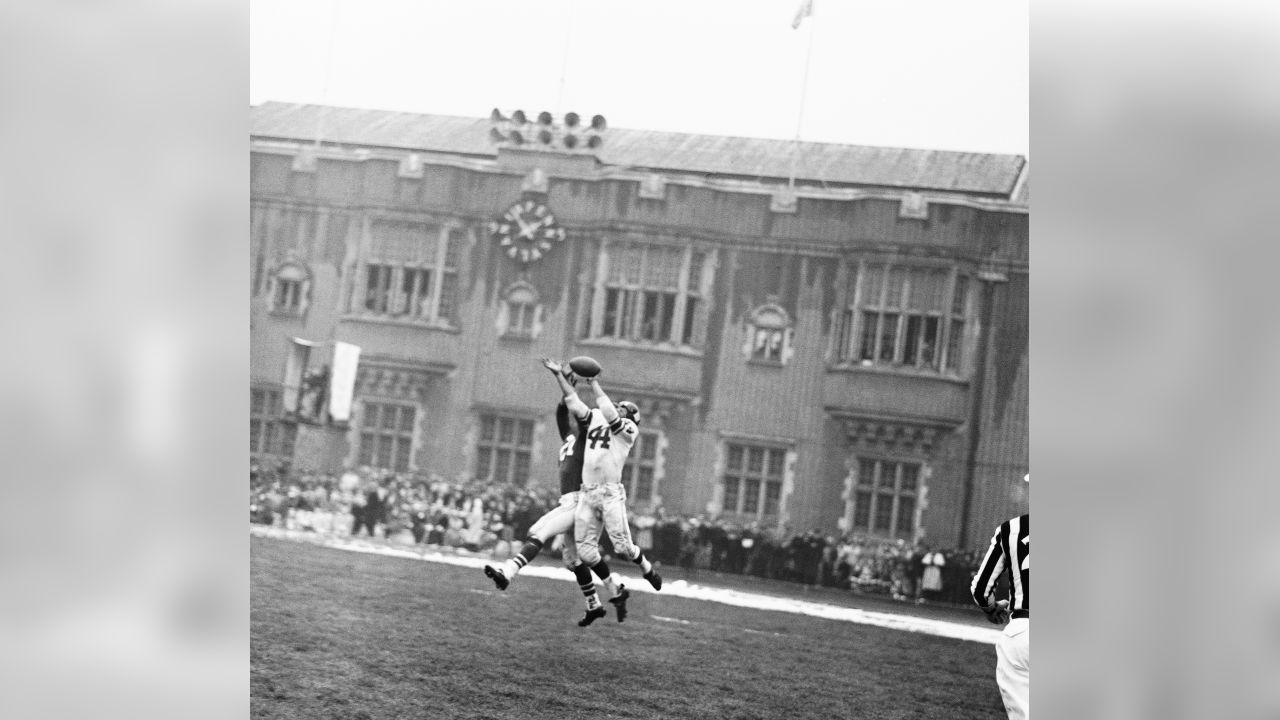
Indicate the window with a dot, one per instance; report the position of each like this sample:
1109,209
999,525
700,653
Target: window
386,435
905,317
753,480
769,334
282,231
504,450
522,306
288,289
637,474
648,293
411,272
269,432
884,499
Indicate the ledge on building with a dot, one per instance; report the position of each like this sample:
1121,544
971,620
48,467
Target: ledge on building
401,322
666,348
898,371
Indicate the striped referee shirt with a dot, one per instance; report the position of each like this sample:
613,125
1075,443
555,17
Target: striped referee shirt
1010,551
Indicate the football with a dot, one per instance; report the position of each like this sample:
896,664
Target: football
584,366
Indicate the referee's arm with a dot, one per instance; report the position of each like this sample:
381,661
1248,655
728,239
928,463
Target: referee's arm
984,582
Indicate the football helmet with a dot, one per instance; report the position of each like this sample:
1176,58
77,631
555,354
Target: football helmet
629,410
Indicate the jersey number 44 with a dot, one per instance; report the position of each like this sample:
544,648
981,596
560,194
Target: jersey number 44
599,437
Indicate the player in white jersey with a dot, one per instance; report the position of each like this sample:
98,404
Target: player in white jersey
611,433
559,520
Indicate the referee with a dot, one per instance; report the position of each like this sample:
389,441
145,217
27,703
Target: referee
1010,552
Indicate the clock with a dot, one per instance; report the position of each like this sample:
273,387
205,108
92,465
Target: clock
526,231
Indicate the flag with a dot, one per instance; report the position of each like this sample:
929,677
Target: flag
804,11
295,365
342,381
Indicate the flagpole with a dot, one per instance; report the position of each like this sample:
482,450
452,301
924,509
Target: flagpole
327,74
804,92
564,63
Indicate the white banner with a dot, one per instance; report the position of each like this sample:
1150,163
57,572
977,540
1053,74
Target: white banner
295,365
342,382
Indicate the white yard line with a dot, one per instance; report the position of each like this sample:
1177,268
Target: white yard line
677,588
671,620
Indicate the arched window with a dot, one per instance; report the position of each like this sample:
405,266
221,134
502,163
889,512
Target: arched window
290,289
770,336
522,310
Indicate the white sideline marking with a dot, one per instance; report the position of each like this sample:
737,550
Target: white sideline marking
674,620
678,588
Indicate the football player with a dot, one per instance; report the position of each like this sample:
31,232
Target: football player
611,433
559,520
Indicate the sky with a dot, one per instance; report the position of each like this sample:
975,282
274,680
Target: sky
933,74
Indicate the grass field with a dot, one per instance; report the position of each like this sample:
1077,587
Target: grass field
337,634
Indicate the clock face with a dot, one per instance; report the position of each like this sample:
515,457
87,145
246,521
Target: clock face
526,231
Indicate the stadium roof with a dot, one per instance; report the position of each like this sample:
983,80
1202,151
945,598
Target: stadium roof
833,164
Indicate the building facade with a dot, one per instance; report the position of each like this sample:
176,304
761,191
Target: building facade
847,353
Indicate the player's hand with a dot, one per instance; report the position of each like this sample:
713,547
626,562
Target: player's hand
551,365
998,613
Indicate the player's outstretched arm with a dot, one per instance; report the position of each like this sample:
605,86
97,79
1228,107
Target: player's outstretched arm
571,399
603,403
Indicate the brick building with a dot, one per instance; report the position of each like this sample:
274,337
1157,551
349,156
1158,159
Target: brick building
850,354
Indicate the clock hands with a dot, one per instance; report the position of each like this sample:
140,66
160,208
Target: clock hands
525,230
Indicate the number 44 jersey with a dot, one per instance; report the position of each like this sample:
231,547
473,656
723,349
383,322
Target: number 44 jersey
607,449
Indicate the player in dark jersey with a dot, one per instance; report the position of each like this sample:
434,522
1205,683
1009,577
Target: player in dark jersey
559,520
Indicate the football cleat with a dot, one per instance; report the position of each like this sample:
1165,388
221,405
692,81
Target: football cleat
495,574
620,602
654,579
592,615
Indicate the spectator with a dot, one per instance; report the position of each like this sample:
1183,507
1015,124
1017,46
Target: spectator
931,578
688,546
418,521
371,511
719,541
733,550
827,563
915,567
644,530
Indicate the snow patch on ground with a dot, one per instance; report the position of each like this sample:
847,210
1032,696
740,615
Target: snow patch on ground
678,588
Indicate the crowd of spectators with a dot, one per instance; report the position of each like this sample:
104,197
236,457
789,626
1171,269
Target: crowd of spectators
863,564
483,518
427,509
